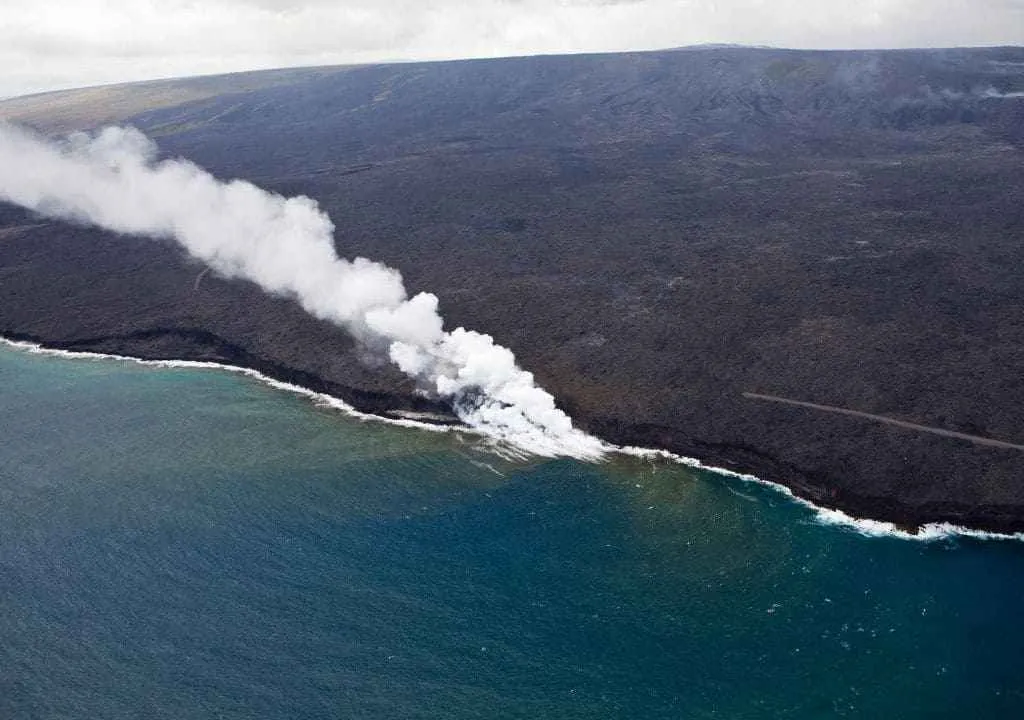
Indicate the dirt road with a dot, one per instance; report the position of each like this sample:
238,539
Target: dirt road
887,420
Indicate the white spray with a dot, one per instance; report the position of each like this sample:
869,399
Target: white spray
112,180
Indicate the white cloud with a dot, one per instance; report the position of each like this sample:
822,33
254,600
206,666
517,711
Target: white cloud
64,43
111,180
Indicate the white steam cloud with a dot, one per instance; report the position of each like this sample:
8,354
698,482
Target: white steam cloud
113,180
993,93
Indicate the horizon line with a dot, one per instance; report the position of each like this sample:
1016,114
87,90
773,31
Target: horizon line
487,58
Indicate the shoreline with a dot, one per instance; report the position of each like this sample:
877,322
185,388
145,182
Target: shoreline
866,527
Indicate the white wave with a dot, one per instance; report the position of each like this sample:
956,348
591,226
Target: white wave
515,451
321,399
507,445
926,532
866,527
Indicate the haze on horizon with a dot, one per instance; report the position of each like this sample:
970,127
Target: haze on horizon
74,43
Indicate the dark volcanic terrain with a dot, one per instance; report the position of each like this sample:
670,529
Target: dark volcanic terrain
653,234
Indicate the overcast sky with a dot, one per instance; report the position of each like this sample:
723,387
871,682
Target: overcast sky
50,44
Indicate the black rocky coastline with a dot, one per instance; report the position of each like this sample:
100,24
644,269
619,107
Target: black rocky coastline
657,236
203,346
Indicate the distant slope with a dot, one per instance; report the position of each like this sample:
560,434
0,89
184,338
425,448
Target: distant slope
104,104
653,233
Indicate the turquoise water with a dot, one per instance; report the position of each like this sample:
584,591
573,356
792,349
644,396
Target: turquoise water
182,543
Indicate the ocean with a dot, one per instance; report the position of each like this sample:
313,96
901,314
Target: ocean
193,543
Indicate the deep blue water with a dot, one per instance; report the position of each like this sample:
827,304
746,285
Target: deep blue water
192,544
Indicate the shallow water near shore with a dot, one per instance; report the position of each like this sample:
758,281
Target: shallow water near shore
191,543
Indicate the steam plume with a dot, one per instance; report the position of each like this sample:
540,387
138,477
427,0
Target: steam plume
113,180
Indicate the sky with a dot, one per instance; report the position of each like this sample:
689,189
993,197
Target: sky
54,44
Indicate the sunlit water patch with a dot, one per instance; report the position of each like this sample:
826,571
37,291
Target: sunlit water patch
190,543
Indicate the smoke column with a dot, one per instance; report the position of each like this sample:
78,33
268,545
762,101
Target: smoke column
113,180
